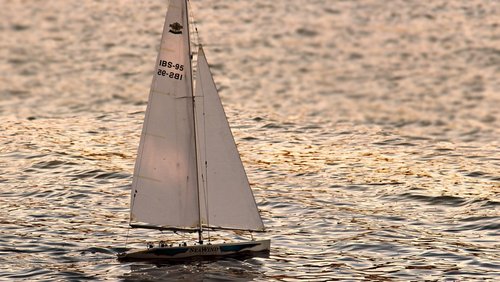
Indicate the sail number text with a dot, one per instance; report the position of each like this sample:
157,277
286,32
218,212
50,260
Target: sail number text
170,65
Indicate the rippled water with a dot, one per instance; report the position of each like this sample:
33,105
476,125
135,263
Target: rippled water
369,130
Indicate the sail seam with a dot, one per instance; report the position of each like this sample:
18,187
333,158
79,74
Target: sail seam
155,135
167,49
162,93
148,178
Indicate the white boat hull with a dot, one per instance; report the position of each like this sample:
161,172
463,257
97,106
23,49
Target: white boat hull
197,251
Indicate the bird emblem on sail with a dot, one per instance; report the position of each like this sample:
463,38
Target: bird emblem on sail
176,28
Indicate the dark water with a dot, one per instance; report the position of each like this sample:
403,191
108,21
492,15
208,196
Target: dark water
369,130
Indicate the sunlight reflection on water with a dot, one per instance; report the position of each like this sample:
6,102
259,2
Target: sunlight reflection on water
368,132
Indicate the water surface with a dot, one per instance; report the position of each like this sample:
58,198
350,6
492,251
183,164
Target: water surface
369,131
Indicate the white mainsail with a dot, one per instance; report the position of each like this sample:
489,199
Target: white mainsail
164,187
226,200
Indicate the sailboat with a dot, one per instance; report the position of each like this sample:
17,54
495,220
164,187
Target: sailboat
188,175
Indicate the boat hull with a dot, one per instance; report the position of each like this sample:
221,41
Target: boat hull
197,251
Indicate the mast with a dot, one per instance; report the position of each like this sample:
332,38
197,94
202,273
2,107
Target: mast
200,229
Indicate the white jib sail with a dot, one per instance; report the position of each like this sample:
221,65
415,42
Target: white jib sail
226,199
164,187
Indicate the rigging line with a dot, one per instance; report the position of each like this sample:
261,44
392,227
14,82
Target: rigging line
205,182
195,27
197,42
196,143
206,162
126,238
